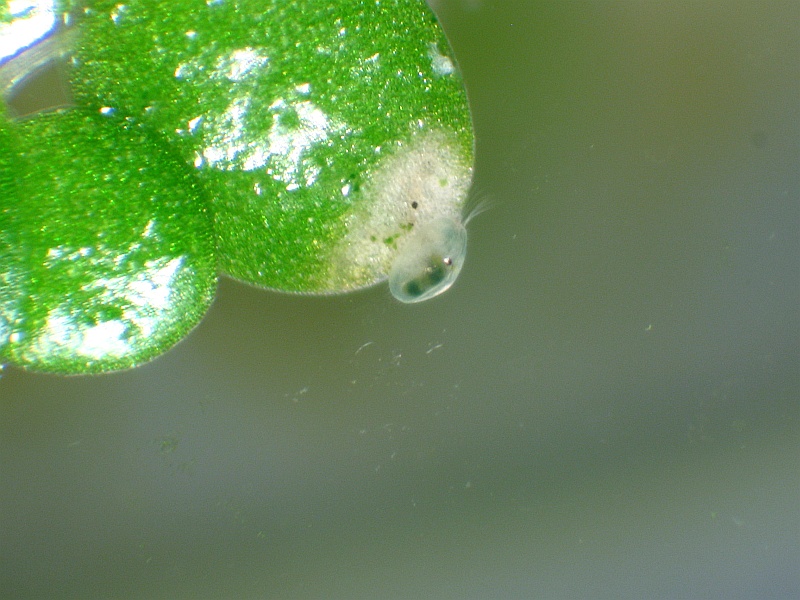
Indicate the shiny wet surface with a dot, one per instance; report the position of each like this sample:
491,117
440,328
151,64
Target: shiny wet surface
604,405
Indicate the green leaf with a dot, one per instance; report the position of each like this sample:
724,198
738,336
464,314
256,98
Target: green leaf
301,146
320,129
105,245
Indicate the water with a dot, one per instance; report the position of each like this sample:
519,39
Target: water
605,405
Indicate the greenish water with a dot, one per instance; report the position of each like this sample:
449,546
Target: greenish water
605,405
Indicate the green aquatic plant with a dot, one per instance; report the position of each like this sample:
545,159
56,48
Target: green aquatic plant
301,146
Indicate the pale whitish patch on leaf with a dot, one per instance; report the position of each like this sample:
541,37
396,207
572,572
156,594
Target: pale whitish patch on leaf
441,64
418,184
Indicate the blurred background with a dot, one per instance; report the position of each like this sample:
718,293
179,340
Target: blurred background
605,405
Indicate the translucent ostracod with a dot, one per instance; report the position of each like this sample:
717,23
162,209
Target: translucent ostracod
429,260
299,146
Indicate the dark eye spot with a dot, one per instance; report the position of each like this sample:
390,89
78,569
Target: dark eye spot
414,204
447,261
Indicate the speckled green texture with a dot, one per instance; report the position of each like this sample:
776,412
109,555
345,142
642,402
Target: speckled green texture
284,108
11,254
105,245
293,145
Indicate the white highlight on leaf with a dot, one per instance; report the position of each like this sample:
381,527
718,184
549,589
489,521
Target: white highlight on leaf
119,11
143,299
297,127
235,140
31,21
148,229
194,123
241,63
66,253
236,66
150,288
